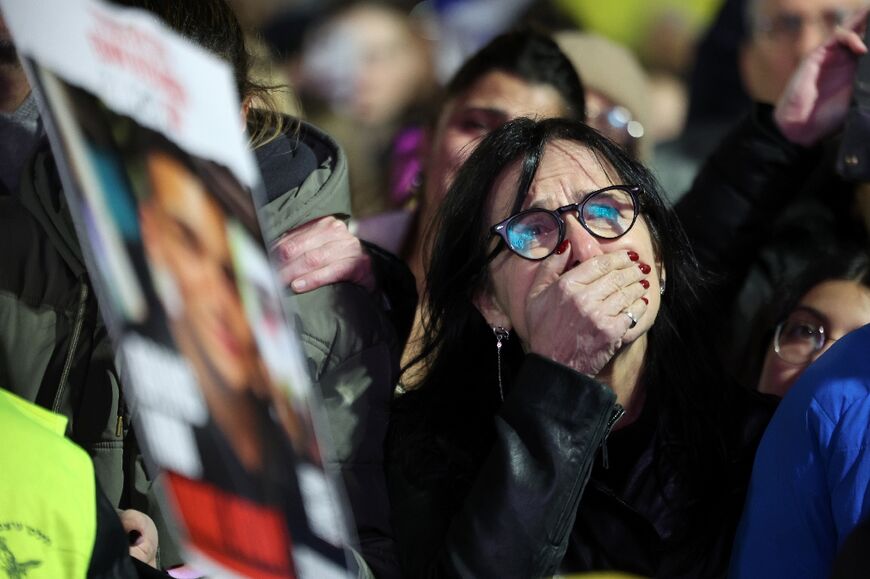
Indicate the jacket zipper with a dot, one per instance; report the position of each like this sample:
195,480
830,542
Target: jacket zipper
77,330
615,415
122,411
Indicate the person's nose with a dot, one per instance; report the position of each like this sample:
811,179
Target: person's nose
584,245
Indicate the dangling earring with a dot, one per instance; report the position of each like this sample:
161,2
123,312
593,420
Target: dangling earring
501,335
662,287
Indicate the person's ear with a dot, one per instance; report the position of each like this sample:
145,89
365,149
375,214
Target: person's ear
490,309
663,275
246,107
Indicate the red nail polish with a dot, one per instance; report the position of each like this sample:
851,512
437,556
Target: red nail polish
562,247
644,268
644,283
633,256
646,301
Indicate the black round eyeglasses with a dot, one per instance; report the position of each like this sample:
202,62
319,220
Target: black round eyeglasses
535,234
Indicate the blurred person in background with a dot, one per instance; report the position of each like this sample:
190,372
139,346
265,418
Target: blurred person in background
781,34
766,207
20,129
810,484
366,73
517,74
831,299
663,35
485,93
464,26
748,54
717,100
265,69
616,89
806,315
768,204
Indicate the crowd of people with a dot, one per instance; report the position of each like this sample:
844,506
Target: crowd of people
537,352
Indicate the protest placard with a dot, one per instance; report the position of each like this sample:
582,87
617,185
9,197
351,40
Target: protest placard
147,135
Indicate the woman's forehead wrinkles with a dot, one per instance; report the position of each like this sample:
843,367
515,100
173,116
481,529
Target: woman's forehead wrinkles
562,188
573,160
568,172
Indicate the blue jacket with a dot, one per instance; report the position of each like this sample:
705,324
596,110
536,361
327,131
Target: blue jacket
811,480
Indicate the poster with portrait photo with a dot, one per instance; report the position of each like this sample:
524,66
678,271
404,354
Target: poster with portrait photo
159,180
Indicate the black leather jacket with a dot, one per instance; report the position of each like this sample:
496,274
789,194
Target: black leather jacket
522,503
644,519
507,512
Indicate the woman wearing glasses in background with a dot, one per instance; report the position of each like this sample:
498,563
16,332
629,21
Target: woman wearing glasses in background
569,418
824,305
810,480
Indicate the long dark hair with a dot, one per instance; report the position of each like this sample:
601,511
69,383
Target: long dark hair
459,396
844,264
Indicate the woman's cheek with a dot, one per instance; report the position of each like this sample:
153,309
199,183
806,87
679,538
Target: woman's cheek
777,376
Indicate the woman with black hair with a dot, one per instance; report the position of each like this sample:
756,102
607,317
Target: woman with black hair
518,73
569,418
824,303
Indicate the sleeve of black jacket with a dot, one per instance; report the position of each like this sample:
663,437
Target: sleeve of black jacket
740,189
516,520
396,283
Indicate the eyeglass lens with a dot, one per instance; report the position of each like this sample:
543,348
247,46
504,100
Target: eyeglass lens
535,234
790,26
799,338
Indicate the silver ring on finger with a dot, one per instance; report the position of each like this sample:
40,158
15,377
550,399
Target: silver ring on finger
632,318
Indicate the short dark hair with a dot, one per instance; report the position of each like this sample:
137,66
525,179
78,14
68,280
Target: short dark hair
530,55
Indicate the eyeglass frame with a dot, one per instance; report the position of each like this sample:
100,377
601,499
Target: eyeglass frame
767,25
500,228
822,332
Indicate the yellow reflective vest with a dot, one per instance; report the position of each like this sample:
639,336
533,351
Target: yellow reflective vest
48,518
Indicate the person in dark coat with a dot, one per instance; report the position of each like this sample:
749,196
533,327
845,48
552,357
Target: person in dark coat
768,203
569,419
